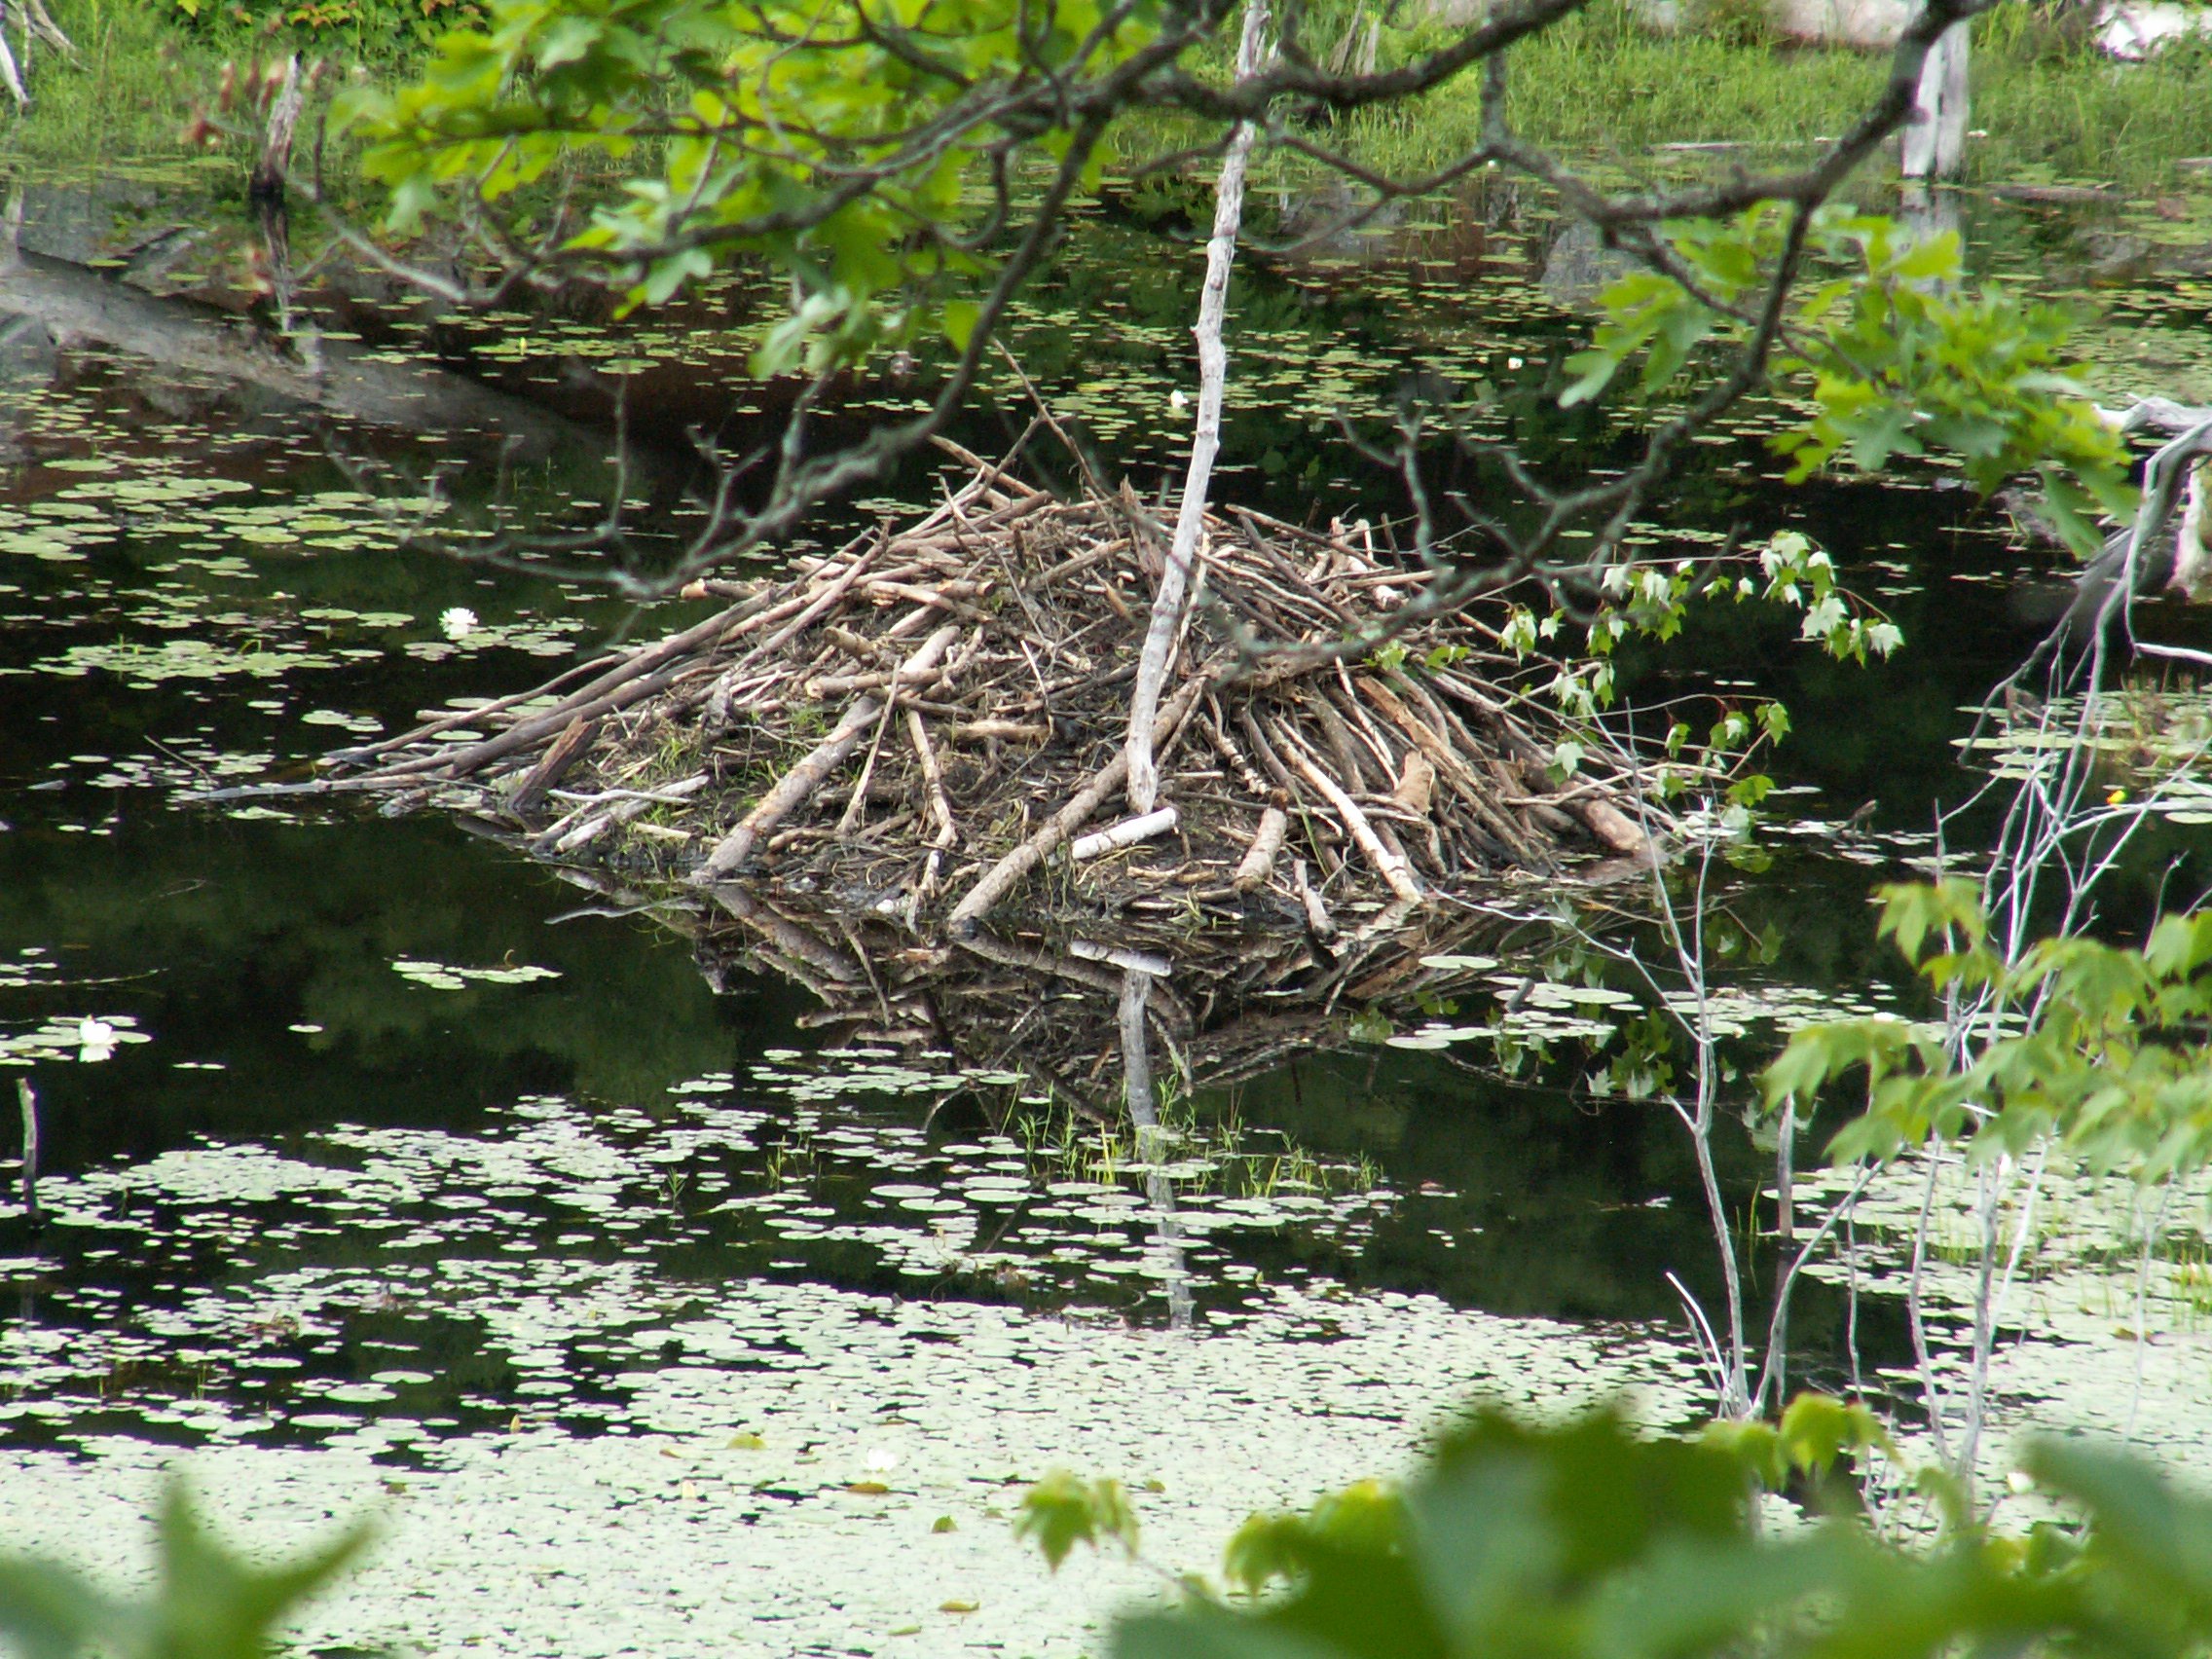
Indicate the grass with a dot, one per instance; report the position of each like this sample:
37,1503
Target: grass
144,71
1599,87
130,95
1596,85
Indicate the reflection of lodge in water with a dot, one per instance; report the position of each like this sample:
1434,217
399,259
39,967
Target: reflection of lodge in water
1078,1015
1220,1008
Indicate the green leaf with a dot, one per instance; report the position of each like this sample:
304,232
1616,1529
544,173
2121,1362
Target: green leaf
1063,1510
959,320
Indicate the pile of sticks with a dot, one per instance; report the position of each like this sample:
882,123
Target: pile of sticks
927,723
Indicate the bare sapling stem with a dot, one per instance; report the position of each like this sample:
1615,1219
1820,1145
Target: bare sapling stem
1206,439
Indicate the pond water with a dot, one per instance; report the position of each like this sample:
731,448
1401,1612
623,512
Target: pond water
382,1169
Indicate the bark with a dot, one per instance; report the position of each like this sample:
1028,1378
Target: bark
1936,137
1205,440
267,183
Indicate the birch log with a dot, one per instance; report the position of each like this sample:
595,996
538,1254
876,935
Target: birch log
1206,439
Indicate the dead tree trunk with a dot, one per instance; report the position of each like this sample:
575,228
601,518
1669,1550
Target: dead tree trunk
266,184
1205,440
1936,137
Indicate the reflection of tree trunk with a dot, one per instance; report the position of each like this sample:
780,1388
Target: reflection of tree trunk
184,334
276,252
1928,212
1152,1144
28,1101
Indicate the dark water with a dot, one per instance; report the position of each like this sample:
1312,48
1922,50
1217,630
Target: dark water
363,1071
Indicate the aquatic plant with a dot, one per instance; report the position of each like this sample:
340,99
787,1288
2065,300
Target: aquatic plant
1585,1539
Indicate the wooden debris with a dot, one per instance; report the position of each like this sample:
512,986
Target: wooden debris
1116,837
927,722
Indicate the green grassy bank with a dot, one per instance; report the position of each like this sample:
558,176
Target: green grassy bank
129,93
145,69
2050,105
1596,85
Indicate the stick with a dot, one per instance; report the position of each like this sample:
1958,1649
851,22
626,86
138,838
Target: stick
791,791
49,30
553,765
1316,913
856,804
1391,866
616,688
267,183
1213,362
1259,859
8,74
1000,879
1127,833
933,775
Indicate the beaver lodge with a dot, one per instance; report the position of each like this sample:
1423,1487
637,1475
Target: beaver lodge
917,740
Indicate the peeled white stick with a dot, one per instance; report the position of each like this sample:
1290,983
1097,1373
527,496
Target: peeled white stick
1122,956
1206,438
1127,833
1391,867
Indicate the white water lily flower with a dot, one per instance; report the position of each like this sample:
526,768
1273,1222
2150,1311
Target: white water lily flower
880,1460
95,1040
458,621
1177,401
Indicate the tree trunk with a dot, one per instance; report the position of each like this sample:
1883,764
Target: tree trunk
1936,137
266,184
1174,581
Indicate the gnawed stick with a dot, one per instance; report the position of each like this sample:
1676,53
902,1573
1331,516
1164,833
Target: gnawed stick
1318,916
791,791
920,664
933,776
553,764
1127,833
1391,866
1259,861
1000,879
616,688
589,822
1611,826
